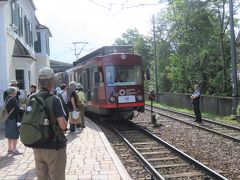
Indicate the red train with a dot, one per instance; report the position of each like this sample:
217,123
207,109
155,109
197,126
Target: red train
113,81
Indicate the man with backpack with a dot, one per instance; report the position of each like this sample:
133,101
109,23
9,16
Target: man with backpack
45,113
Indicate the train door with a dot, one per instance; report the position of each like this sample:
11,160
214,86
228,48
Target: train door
88,83
84,83
95,83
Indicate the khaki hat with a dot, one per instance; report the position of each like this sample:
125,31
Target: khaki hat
72,84
13,82
46,73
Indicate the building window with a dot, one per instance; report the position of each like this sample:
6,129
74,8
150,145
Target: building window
20,22
15,12
30,35
20,78
28,31
37,44
47,45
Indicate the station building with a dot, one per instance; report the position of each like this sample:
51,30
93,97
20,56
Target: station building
24,44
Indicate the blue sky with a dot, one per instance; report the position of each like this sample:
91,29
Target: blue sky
97,22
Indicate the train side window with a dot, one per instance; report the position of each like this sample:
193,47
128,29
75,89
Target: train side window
100,72
96,77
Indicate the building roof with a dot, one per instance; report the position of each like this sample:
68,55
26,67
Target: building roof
40,26
105,50
59,66
20,51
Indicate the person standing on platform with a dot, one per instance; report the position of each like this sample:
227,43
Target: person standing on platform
11,124
13,84
50,157
195,99
82,104
63,97
33,89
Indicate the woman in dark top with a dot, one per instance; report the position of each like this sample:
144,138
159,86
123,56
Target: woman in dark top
33,89
11,128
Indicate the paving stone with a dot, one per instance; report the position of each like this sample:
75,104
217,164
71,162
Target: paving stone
89,156
100,177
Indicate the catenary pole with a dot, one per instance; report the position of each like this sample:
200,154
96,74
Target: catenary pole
75,48
155,57
233,59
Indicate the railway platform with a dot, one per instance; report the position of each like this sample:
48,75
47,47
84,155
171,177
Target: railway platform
89,156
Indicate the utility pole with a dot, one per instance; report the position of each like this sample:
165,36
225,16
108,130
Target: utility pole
75,48
155,57
233,58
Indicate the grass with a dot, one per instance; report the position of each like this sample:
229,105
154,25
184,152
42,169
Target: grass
224,119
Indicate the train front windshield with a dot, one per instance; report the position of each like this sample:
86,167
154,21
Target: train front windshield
123,75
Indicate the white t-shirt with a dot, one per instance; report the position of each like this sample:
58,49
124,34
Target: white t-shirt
64,95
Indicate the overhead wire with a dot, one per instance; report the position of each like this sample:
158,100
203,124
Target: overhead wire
100,5
67,49
113,11
140,5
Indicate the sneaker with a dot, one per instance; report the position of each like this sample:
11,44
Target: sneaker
78,125
15,153
9,151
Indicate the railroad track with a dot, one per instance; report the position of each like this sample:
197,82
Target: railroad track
159,158
224,130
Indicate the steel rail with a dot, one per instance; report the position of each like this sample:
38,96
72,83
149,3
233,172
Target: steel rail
154,173
204,119
200,127
210,172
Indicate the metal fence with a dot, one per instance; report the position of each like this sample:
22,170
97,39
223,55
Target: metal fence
211,104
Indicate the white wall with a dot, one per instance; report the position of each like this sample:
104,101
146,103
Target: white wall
29,11
9,64
3,50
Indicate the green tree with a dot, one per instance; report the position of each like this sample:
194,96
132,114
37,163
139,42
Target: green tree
199,42
140,43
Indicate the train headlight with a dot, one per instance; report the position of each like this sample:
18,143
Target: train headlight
112,99
140,97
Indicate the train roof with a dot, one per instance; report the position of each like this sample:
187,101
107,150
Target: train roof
105,50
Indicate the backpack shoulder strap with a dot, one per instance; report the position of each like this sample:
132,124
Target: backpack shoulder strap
41,99
7,100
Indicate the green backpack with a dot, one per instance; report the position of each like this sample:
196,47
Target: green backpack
36,127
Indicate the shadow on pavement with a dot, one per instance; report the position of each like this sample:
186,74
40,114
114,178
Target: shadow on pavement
30,174
71,136
6,160
2,134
